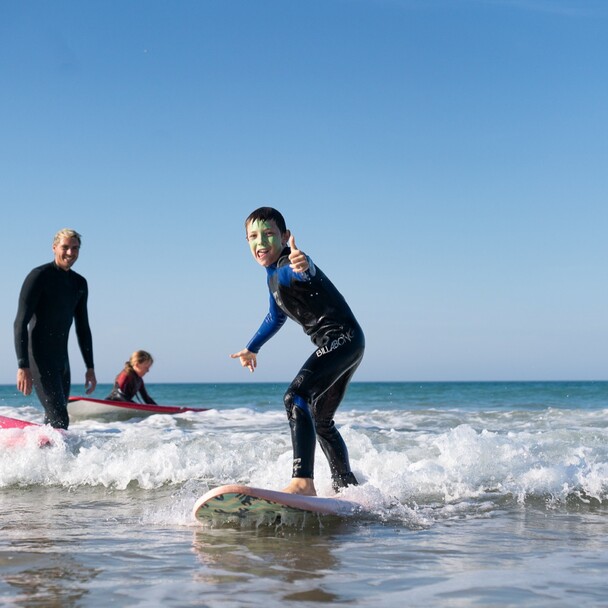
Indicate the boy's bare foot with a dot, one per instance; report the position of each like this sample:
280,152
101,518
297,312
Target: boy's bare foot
301,485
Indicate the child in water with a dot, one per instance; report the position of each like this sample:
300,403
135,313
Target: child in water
301,291
129,382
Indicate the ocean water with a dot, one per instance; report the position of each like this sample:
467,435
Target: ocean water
475,494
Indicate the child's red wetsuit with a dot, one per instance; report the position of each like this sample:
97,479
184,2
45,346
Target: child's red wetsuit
127,385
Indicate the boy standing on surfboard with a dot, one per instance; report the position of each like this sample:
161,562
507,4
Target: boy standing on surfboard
301,291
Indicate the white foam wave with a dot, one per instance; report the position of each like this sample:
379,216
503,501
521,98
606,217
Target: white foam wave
402,460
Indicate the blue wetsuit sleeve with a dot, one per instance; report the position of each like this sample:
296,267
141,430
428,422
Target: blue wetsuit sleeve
274,320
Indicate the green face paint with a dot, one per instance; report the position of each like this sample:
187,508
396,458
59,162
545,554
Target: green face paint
265,241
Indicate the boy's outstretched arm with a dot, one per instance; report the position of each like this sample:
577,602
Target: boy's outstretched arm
248,359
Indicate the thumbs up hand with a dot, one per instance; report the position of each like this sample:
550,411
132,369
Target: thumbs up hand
298,261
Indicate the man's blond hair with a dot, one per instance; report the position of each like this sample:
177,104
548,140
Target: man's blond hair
67,233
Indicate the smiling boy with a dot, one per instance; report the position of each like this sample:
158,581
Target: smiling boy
301,291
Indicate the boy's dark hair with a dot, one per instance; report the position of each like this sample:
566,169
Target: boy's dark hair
265,214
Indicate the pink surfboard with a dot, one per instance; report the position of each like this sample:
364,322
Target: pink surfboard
243,502
19,438
15,423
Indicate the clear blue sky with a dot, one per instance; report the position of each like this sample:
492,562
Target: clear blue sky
445,162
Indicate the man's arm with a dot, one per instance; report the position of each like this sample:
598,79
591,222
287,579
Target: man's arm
28,300
83,330
85,340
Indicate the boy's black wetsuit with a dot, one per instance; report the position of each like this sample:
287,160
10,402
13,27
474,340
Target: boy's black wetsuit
50,299
313,397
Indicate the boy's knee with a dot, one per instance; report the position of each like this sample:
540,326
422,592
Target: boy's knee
291,400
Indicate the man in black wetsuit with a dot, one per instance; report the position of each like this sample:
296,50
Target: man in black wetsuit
301,291
52,297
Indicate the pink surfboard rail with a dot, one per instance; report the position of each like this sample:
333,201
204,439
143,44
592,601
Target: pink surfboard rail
242,501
